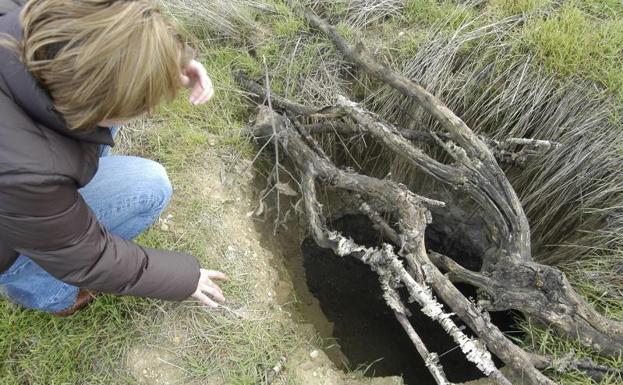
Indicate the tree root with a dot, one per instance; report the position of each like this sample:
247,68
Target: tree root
510,152
508,279
414,220
543,293
568,362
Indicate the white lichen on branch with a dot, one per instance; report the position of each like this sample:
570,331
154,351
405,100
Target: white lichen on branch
387,264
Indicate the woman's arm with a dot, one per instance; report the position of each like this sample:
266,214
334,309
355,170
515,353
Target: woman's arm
50,223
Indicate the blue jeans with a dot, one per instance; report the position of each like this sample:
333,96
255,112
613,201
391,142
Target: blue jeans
121,196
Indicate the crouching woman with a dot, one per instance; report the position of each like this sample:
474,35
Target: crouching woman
70,72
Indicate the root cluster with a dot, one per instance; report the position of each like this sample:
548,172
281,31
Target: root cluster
509,277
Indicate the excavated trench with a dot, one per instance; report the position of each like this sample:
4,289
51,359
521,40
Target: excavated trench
342,298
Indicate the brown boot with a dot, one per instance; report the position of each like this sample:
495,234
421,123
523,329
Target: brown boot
84,298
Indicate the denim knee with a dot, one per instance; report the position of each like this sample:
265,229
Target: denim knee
155,182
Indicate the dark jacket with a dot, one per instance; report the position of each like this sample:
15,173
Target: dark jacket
42,215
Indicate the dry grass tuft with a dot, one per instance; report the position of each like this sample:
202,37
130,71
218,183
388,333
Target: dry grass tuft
218,19
360,14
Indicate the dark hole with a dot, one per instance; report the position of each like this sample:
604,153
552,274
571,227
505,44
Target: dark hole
366,330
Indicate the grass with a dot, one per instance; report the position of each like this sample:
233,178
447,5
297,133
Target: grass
579,41
542,340
575,42
516,7
430,12
42,349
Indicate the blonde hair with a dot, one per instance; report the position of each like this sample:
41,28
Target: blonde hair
102,59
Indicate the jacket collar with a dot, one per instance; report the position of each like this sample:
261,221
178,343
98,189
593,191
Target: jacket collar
21,86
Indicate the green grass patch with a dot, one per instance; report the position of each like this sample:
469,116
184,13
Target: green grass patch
573,43
612,9
425,13
517,7
38,348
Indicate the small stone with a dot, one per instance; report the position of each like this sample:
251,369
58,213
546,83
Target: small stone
314,354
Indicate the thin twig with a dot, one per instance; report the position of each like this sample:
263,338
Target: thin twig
276,146
430,359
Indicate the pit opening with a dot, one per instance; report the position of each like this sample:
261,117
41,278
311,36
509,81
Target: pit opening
364,328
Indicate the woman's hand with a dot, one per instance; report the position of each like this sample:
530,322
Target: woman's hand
196,77
207,291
